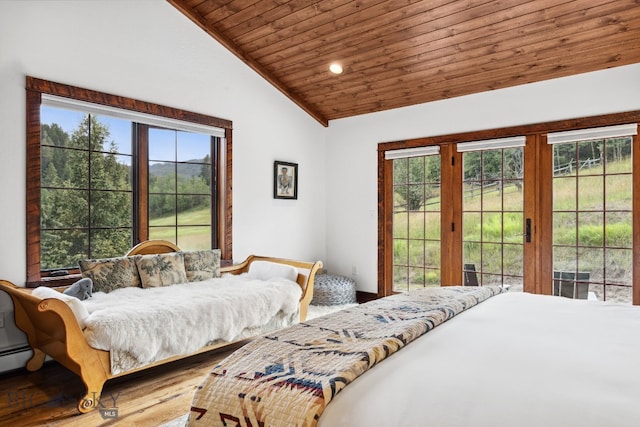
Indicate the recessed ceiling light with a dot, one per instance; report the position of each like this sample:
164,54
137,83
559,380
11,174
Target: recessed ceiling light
335,68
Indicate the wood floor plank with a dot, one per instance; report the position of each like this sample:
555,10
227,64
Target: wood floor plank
148,398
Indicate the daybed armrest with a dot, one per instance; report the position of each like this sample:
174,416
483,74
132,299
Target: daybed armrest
53,329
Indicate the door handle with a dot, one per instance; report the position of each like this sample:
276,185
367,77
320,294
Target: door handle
527,232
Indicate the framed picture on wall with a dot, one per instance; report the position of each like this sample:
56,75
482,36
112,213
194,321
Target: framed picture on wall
285,180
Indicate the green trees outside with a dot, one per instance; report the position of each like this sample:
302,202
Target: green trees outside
589,152
83,187
417,179
162,202
87,194
410,176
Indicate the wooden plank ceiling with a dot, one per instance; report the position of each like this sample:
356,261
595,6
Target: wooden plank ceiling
397,53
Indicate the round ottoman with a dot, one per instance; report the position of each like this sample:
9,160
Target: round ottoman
333,290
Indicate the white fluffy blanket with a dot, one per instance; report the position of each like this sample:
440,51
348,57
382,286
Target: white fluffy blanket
139,326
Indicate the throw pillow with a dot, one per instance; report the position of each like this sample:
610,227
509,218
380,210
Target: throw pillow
202,265
161,269
110,273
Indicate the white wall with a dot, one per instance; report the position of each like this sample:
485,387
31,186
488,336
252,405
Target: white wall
352,148
147,50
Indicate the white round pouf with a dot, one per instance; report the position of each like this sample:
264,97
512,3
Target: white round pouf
333,290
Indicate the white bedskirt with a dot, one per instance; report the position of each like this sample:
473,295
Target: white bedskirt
517,359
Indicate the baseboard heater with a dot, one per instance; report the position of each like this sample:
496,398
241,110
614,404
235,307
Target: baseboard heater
14,358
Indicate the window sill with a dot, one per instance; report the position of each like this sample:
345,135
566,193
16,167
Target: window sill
53,282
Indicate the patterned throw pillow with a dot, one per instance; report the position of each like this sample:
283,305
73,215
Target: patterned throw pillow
110,273
161,269
202,265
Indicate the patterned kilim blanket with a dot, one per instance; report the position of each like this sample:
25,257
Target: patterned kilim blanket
287,378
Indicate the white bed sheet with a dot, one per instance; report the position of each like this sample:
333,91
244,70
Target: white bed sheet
516,359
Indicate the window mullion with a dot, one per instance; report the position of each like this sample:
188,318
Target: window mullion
141,182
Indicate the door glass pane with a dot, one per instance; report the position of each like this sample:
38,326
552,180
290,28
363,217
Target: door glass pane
564,190
472,226
416,252
564,228
618,200
491,258
592,219
416,223
512,256
492,227
513,224
590,192
589,159
493,217
618,266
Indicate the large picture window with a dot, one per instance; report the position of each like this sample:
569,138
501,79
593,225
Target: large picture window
103,177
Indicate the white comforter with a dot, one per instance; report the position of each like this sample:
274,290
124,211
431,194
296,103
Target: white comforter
514,360
139,326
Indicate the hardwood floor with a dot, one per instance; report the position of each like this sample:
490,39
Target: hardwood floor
151,397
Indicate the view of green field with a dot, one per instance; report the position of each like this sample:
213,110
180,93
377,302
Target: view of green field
191,236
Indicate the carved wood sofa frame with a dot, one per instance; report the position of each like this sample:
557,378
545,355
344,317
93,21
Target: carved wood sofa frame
53,330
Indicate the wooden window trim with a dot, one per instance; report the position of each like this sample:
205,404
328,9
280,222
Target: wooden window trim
541,265
35,88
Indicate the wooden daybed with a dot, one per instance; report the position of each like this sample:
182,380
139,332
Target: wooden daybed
52,329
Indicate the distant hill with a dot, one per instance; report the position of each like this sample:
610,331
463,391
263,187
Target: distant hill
187,170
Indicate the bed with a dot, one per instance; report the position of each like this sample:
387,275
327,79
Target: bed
53,328
485,357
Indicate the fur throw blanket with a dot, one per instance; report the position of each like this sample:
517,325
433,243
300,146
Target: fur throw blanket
139,326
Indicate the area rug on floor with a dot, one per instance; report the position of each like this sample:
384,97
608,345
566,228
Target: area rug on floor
314,311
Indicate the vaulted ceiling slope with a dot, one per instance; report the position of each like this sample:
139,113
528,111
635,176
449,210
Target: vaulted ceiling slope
397,53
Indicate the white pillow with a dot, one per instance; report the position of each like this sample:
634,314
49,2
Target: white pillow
76,306
267,270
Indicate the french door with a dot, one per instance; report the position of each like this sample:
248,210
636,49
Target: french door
592,213
486,226
493,212
551,213
417,205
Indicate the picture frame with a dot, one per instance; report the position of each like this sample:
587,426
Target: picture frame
285,180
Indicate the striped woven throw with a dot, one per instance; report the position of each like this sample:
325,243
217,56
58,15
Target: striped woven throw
287,378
